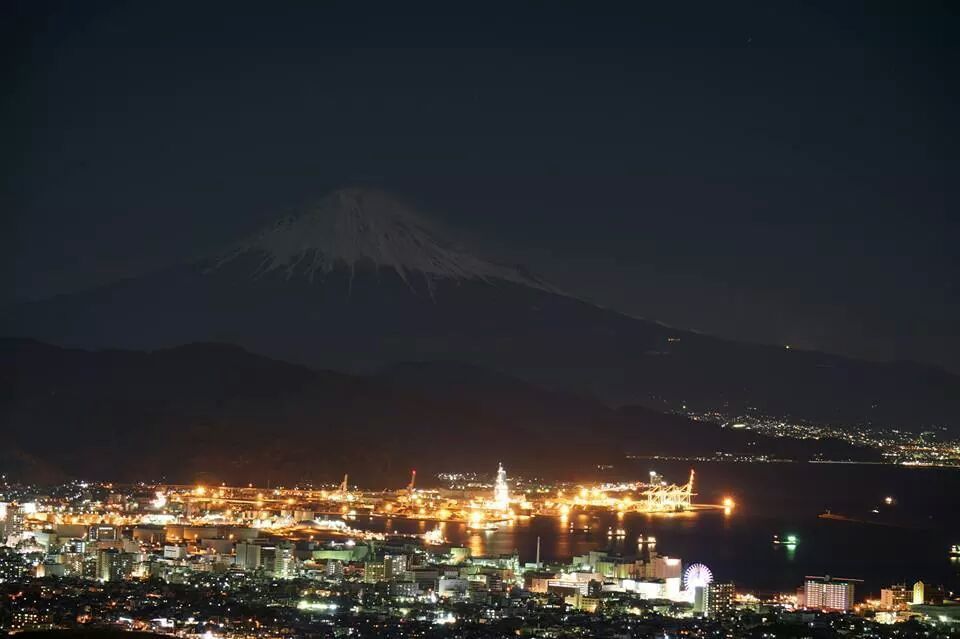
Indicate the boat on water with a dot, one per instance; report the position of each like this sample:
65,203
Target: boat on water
788,540
485,526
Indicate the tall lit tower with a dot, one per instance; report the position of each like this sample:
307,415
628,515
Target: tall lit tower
501,493
918,597
412,486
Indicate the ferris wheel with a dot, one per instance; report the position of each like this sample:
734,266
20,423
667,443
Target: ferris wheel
696,576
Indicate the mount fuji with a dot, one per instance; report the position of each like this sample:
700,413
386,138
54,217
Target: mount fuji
360,282
357,229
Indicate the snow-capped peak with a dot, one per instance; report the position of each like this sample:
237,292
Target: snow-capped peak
353,226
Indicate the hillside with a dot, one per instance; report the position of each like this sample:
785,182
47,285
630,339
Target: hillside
219,412
360,282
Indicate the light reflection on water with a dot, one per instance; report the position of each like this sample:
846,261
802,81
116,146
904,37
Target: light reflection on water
736,547
770,500
558,543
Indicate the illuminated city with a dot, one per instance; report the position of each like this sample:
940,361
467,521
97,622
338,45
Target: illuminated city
331,319
306,560
933,447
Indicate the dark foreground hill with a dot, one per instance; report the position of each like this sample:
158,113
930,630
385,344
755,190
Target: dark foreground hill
218,412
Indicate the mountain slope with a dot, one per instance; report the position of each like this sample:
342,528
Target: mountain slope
218,412
360,283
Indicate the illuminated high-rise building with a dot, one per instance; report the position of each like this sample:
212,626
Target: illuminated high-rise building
894,597
248,556
72,563
334,568
11,520
113,565
918,593
284,562
373,572
829,593
394,566
718,599
501,492
12,565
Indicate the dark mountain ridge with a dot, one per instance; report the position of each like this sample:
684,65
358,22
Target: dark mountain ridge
219,412
360,283
364,321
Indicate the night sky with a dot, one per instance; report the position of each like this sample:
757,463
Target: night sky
770,171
